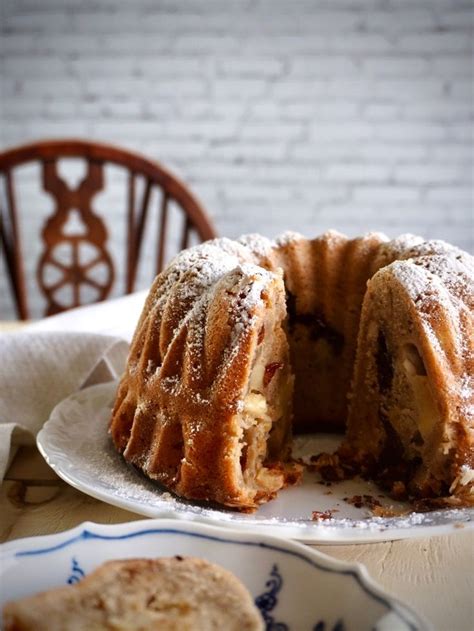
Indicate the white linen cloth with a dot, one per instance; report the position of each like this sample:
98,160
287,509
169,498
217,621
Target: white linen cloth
114,317
53,358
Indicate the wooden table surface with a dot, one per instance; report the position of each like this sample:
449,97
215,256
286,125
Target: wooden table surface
435,576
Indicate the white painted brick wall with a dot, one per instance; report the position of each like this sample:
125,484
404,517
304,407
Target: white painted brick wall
309,114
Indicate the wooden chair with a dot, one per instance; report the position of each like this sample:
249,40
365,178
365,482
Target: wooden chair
95,234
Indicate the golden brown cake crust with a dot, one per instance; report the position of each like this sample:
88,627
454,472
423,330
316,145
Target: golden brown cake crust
411,416
182,410
179,406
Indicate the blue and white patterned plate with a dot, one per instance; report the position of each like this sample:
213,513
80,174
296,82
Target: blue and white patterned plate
293,586
76,445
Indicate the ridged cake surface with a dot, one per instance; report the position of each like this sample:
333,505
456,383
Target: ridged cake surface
185,413
411,418
241,341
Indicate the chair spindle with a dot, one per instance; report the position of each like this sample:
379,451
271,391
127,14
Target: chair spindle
130,235
15,250
186,234
140,227
162,232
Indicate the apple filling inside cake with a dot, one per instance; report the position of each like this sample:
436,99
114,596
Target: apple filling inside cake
401,413
265,412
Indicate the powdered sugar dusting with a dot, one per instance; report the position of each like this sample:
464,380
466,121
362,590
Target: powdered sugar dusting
440,286
247,283
225,275
257,244
466,394
76,444
196,276
415,281
198,279
429,248
287,238
405,242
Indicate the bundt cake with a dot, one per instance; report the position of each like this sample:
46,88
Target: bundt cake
241,342
170,594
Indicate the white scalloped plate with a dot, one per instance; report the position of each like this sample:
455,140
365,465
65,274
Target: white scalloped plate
76,445
293,586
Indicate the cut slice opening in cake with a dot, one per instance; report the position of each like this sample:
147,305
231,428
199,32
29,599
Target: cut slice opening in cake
384,361
256,424
407,401
415,375
265,418
410,414
317,355
412,360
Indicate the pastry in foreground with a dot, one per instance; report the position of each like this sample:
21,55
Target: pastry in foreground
242,342
170,594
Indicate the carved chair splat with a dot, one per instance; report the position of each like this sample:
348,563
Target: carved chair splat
76,273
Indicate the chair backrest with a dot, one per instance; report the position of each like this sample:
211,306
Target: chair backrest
94,232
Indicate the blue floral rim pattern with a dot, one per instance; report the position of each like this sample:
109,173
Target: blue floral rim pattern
88,535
